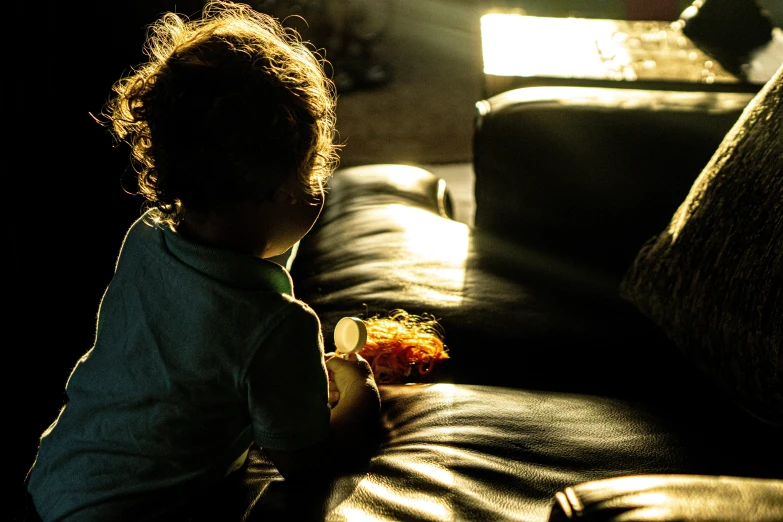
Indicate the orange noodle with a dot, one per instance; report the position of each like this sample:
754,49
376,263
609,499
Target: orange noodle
402,343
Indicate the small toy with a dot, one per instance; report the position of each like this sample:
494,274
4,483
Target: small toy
350,336
395,346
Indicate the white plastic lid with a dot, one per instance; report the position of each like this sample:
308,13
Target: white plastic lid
350,335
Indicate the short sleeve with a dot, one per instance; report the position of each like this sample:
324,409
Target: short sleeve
287,384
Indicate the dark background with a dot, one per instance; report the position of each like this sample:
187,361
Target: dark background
65,209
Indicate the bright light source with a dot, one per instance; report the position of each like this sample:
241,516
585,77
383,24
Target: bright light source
519,45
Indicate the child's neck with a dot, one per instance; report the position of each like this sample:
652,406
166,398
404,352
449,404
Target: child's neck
241,230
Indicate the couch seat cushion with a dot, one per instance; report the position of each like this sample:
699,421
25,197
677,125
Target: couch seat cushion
466,452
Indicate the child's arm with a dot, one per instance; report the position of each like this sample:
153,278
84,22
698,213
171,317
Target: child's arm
352,420
359,403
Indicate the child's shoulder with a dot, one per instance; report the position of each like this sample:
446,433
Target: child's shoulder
300,310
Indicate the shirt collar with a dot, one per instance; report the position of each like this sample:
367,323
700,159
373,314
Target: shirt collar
230,267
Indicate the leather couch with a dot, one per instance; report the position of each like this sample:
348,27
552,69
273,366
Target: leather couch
559,401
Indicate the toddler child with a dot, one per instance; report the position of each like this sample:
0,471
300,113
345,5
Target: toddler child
201,347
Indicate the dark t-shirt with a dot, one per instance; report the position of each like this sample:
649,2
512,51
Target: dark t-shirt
199,352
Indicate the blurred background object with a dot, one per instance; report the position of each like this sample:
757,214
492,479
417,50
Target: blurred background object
774,10
349,31
355,31
740,34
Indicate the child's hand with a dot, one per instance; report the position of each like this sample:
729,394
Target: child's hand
356,413
334,393
345,373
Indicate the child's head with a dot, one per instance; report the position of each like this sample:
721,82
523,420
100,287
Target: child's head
229,107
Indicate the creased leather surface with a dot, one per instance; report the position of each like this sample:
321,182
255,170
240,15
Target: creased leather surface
641,498
461,452
448,452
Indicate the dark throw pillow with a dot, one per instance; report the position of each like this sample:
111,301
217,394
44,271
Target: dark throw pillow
713,280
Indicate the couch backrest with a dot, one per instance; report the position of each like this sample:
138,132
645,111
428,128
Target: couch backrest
591,173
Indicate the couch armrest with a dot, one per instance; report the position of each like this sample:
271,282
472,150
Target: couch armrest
696,498
387,182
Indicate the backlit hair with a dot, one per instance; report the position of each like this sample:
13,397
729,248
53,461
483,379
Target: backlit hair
227,107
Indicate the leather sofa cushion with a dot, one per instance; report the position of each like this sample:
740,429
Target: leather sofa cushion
696,498
713,278
467,452
589,174
511,315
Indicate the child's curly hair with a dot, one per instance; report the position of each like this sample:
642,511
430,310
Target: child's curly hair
227,107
